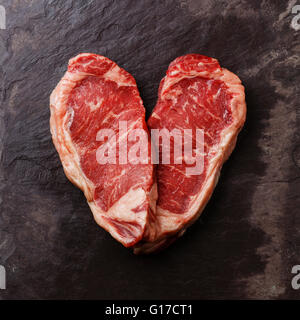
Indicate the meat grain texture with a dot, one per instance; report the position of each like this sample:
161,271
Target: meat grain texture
96,94
195,94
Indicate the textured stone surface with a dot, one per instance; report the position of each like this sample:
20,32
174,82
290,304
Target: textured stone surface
248,238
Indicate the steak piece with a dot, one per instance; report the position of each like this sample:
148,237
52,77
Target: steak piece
195,94
96,94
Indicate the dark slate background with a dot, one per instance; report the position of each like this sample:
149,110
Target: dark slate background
248,237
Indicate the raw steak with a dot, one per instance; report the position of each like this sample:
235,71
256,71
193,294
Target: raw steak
96,94
195,93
